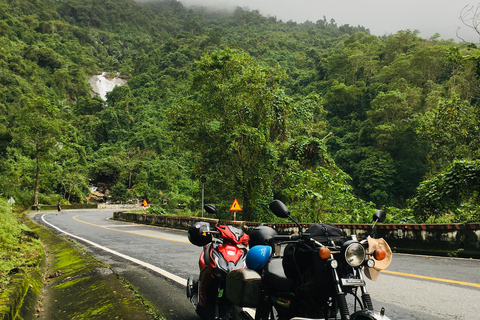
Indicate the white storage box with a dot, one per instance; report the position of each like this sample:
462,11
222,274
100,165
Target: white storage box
244,287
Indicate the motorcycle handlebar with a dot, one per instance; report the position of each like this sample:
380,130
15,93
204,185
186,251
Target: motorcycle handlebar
291,237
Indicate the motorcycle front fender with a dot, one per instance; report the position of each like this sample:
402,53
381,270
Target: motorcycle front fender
368,315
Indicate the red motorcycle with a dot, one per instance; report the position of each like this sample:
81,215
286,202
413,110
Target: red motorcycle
224,250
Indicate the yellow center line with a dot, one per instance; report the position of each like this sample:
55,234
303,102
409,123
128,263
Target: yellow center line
432,278
136,233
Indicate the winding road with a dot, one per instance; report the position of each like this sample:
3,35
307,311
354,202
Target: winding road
157,261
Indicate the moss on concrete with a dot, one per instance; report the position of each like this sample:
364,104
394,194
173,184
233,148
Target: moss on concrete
71,285
19,297
26,283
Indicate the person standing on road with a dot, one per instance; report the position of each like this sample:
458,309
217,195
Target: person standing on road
59,208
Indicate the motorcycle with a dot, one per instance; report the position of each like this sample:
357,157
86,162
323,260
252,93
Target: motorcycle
314,274
224,250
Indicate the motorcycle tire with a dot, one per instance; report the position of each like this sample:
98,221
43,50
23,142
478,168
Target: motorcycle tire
191,284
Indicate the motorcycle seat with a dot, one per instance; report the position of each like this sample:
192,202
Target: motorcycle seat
275,277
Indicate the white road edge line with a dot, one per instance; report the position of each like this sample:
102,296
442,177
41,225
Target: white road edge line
147,265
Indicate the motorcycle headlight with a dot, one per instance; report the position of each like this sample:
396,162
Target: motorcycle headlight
355,254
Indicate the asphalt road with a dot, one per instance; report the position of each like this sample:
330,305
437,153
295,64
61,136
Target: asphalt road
157,261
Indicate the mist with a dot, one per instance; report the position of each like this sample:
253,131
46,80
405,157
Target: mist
381,17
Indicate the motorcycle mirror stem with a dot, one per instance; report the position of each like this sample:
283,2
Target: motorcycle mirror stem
378,216
280,210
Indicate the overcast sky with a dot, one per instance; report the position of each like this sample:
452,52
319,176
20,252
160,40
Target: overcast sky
380,16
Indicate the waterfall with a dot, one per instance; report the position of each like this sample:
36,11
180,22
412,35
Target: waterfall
101,85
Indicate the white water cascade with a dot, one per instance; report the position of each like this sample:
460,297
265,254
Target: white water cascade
101,85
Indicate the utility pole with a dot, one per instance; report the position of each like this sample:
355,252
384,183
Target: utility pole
203,179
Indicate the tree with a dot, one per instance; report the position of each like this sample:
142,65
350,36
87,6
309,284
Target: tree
401,43
359,59
465,78
73,184
229,123
309,116
315,188
455,190
452,132
344,101
388,115
470,17
376,176
120,193
39,133
5,140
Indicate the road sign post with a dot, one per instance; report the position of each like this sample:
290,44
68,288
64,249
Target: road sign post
235,207
145,205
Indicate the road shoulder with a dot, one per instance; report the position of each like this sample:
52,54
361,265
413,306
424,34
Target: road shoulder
77,286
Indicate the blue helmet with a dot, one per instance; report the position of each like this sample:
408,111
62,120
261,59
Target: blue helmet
258,256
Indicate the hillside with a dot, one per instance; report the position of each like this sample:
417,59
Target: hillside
347,115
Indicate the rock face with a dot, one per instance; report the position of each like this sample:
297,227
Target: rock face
101,85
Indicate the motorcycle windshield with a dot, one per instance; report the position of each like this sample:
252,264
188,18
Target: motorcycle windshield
232,234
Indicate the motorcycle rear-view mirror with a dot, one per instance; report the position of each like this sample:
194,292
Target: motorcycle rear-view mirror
279,209
210,208
379,216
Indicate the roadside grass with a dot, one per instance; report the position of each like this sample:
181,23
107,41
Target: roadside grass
19,247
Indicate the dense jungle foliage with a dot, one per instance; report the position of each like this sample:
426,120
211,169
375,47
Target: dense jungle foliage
330,119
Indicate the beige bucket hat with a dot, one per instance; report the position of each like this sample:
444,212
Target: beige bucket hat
373,244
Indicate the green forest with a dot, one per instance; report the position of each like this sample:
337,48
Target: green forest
328,118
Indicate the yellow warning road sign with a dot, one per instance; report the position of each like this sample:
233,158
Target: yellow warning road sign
235,206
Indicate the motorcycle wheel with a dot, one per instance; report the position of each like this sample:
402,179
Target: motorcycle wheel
191,286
